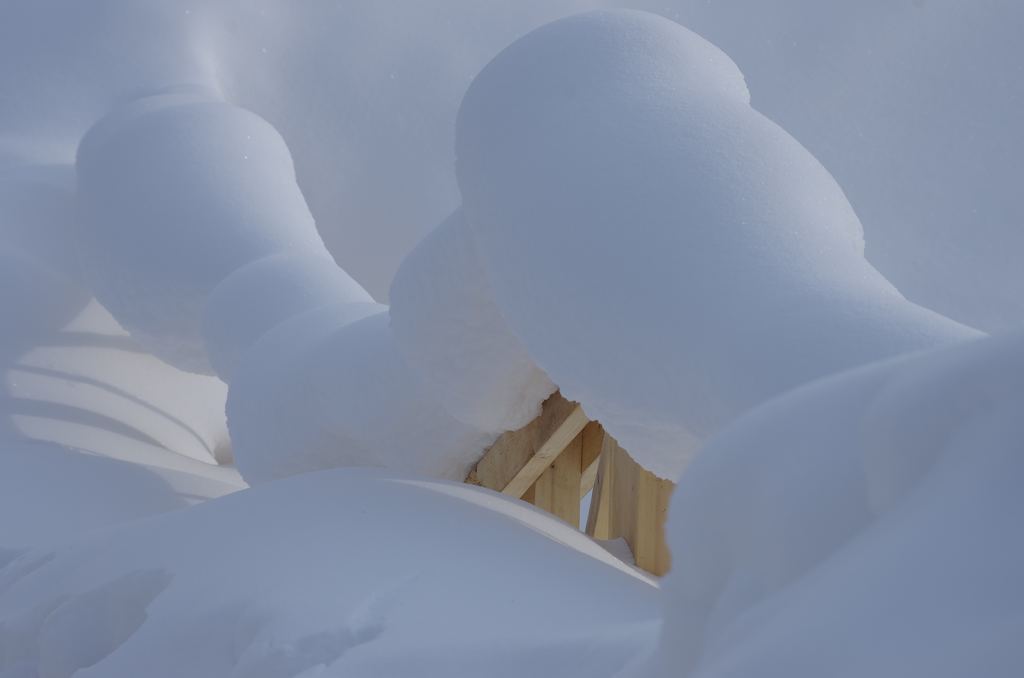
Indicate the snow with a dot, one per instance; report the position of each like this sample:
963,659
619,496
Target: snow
329,389
95,432
614,157
40,288
910,104
449,329
628,219
263,294
51,492
339,573
90,386
178,191
364,92
864,524
265,411
912,107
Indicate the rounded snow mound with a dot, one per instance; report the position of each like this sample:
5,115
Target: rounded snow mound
846,505
265,293
668,256
273,432
339,573
178,191
322,391
450,331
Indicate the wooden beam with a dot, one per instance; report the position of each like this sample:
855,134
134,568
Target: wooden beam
563,434
558,457
557,490
518,458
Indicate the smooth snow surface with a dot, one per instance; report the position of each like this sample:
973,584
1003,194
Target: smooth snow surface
177,191
912,106
668,255
627,220
342,573
867,524
95,432
274,433
51,492
261,295
329,389
450,330
40,284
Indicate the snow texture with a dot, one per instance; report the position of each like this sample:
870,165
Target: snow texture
177,191
668,256
631,230
328,389
363,91
93,430
449,329
912,107
258,296
865,524
272,434
96,432
339,573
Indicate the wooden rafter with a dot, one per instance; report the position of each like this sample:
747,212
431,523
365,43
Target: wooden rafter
518,458
559,457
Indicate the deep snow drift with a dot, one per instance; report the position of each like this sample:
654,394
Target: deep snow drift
95,432
867,524
340,573
632,209
632,230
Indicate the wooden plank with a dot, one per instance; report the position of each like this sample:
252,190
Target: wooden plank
639,507
559,457
592,440
599,517
557,491
511,452
561,435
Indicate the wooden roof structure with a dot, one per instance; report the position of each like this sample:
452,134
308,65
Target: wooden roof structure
558,458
